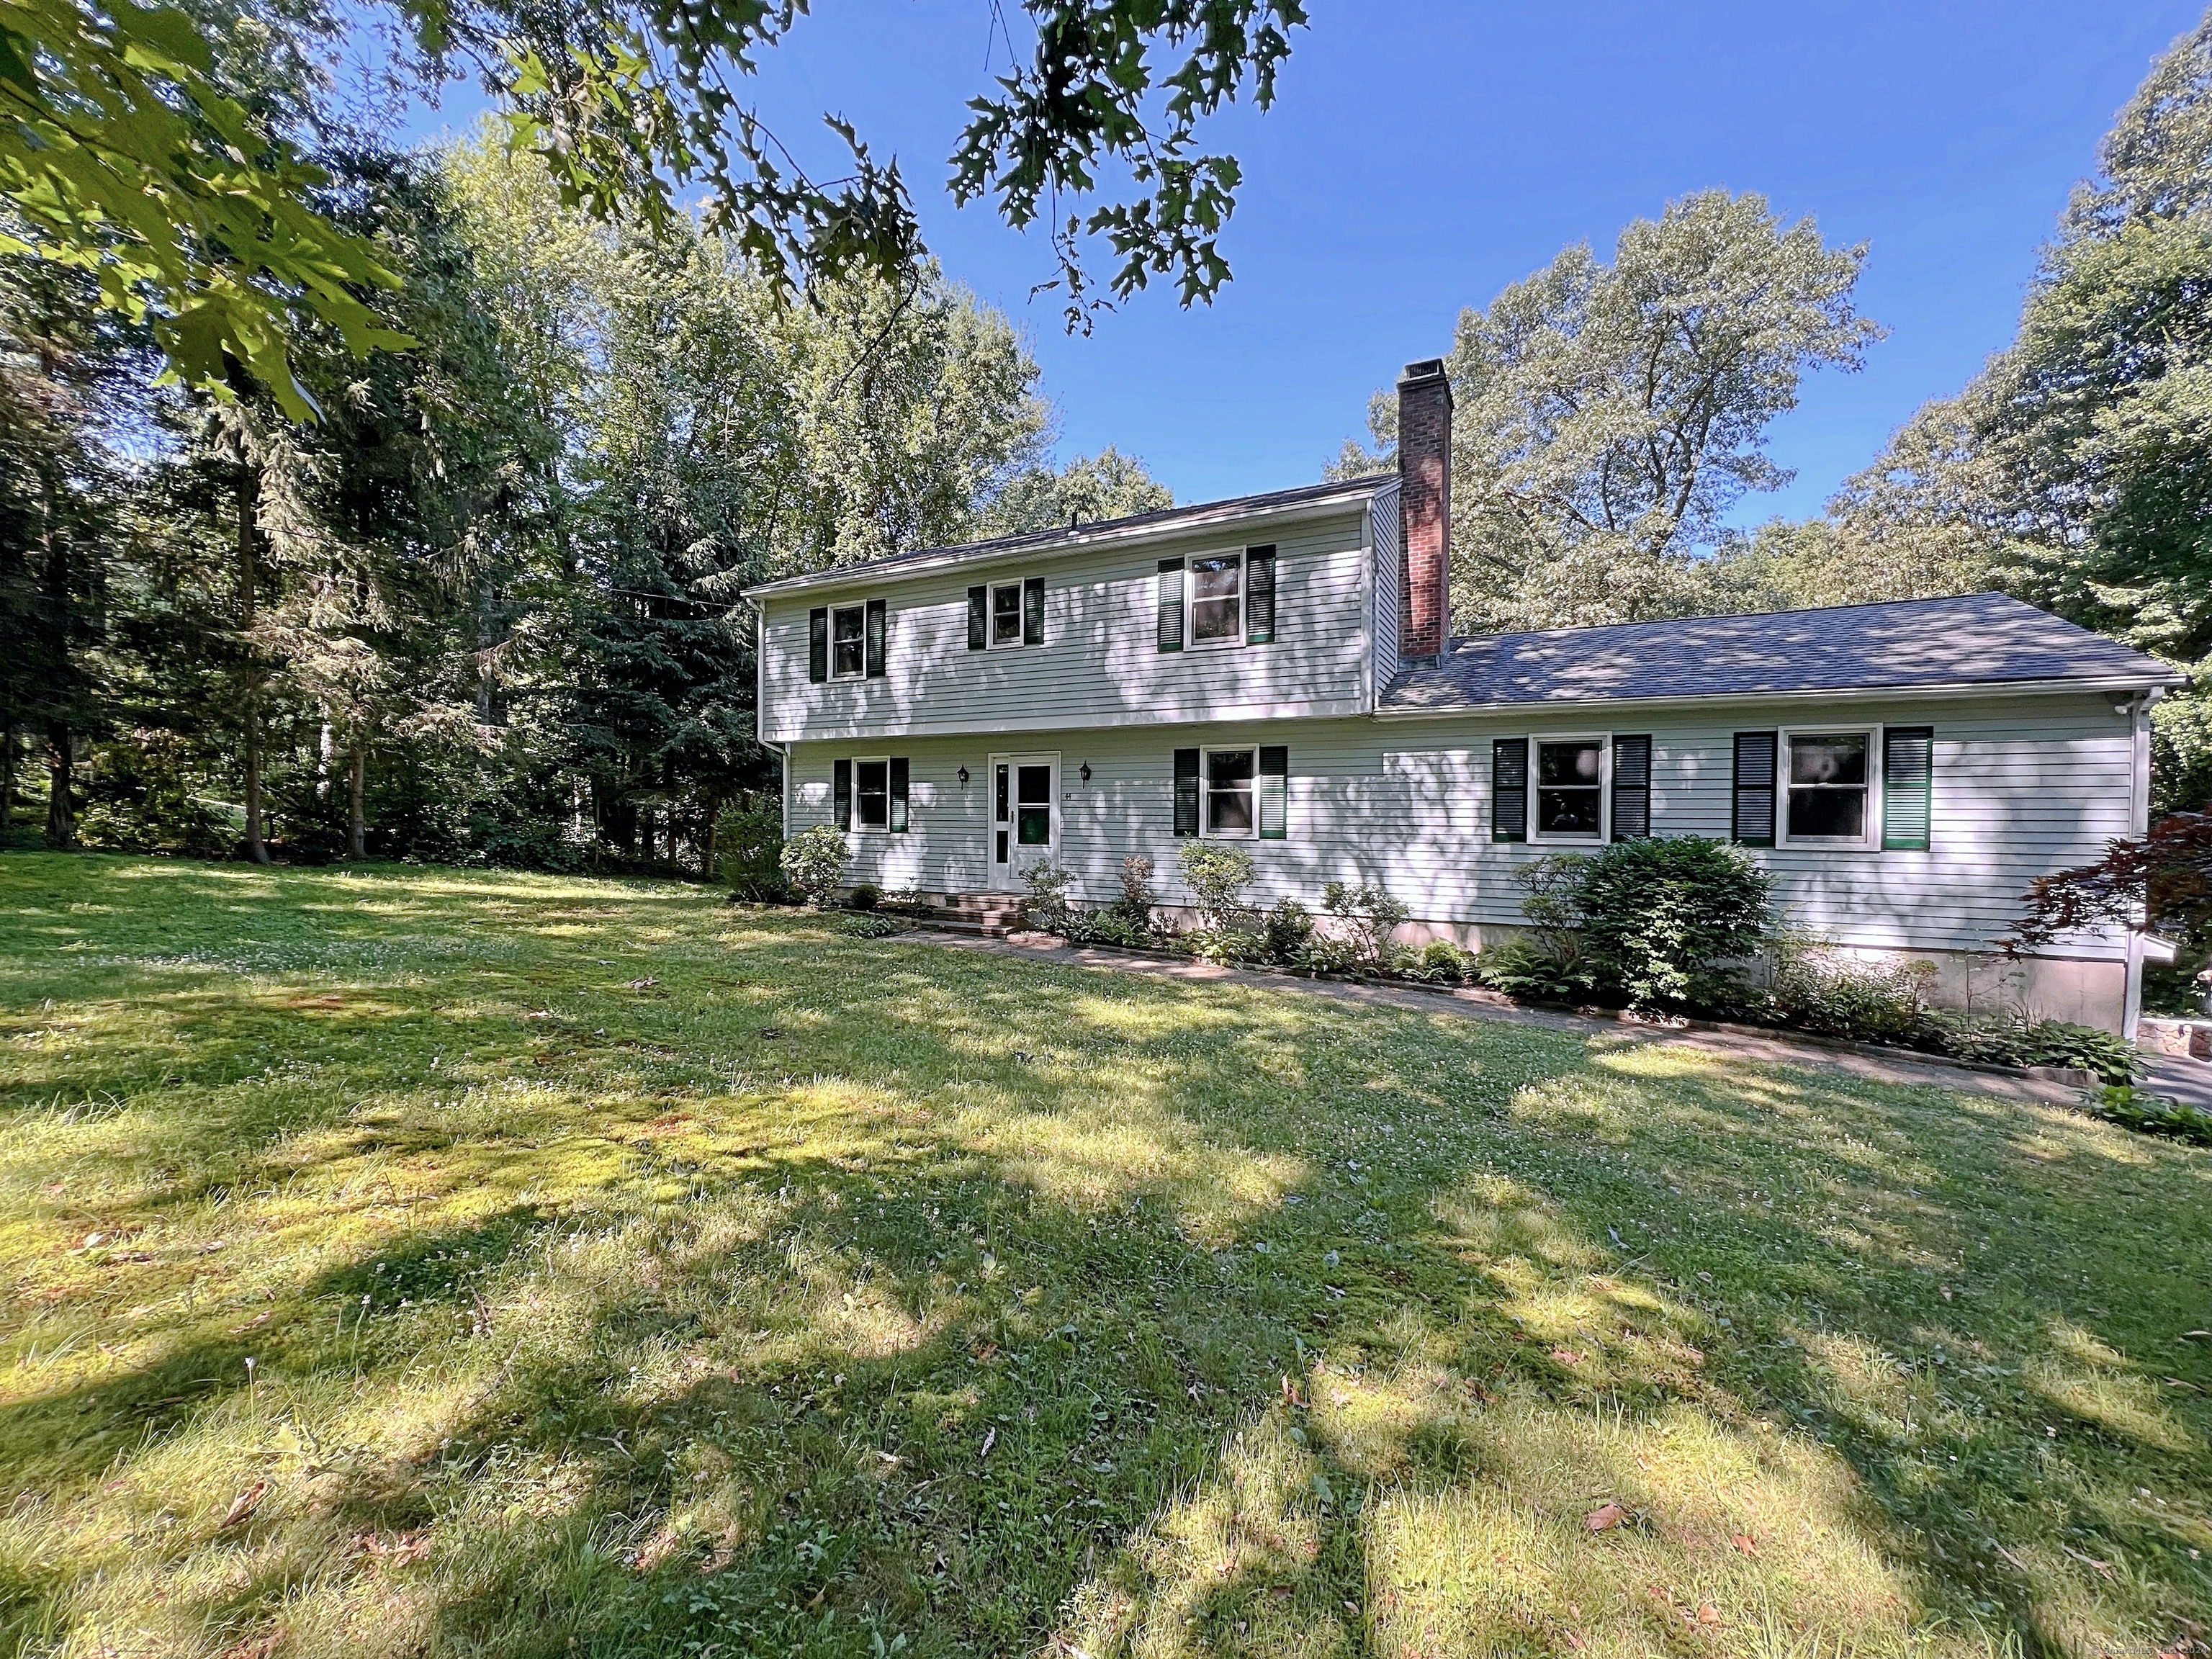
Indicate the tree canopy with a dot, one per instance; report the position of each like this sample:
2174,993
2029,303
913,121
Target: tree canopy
1607,415
131,148
485,607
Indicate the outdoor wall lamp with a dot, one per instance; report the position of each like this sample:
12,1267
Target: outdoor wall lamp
1084,771
963,777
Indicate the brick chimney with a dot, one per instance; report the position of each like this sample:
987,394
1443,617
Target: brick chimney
1424,411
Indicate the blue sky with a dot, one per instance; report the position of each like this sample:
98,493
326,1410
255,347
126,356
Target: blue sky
1423,154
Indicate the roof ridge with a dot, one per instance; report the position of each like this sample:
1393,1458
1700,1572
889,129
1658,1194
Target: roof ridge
1044,538
1791,610
1983,639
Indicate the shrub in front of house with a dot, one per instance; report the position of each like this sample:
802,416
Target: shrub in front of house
865,896
1443,963
1368,919
1129,920
1661,916
814,860
1045,908
1287,932
1218,877
1815,987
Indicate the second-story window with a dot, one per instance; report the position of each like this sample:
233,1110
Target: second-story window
848,641
1006,614
848,632
1217,599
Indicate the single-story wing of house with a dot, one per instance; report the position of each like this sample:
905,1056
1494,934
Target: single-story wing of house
1275,671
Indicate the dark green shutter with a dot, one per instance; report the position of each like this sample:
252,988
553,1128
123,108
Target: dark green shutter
1171,610
1908,787
1186,792
1033,610
1259,596
1632,788
1750,824
1274,783
841,794
979,618
878,630
1509,789
898,795
818,644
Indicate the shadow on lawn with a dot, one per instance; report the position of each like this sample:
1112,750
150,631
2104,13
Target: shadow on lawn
973,1341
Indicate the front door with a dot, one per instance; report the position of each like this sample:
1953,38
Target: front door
1024,815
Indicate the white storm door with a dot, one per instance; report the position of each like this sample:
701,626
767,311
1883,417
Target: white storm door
1024,815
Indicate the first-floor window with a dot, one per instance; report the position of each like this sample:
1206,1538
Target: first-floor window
848,641
1830,775
871,794
1229,804
1571,788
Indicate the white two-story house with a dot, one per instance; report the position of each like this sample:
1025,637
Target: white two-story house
1274,671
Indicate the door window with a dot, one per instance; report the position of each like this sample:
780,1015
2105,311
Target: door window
1033,821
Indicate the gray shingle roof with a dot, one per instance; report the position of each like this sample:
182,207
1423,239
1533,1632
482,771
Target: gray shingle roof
1076,535
1975,639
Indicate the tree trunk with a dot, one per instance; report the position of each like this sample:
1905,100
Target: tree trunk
491,708
356,823
7,777
714,826
248,490
61,802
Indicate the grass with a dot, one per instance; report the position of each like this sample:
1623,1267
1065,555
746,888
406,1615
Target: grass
407,1262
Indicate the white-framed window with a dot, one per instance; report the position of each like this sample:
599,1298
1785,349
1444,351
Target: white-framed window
848,641
1228,805
1216,589
871,794
1829,786
1006,615
1568,787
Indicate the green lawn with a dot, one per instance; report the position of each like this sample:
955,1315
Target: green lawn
412,1262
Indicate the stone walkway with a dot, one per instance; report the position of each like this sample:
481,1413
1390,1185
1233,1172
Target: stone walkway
1764,1049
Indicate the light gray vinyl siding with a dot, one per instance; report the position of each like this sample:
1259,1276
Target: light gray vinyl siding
1387,594
1100,665
2022,787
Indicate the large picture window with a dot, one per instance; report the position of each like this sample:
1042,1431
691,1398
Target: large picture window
1217,601
1229,803
1828,777
1569,794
